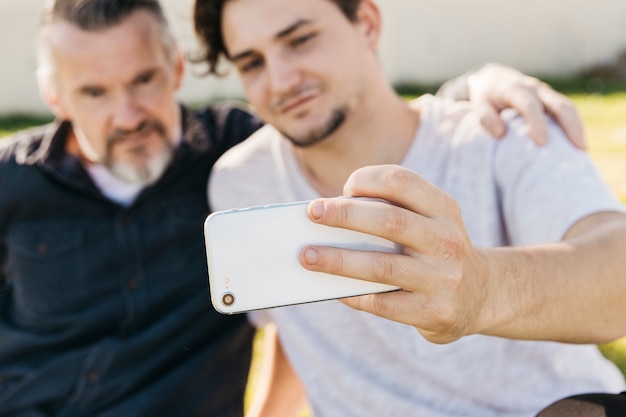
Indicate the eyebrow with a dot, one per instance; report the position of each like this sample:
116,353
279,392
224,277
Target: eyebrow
280,35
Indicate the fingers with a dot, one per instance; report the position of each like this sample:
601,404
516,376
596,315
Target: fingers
419,303
564,112
438,323
401,187
489,118
408,272
376,218
528,104
496,87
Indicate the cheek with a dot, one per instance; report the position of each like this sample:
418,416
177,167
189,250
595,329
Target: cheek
257,94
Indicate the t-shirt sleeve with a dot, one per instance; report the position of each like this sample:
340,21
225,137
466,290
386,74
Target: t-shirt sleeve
546,189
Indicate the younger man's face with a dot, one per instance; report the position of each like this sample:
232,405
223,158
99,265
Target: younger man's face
302,63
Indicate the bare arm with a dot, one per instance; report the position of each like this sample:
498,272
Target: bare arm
494,87
278,391
570,291
574,289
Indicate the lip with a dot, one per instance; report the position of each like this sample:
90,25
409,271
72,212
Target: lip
136,139
296,104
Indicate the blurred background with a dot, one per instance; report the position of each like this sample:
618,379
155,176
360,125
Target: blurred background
424,43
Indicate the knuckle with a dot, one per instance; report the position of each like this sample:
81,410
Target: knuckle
383,267
453,249
450,323
393,225
397,178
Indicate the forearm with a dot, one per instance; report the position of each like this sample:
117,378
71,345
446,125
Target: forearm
570,291
278,392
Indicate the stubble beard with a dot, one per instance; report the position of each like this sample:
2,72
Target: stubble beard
311,138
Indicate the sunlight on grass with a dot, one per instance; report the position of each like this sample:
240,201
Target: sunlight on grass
605,126
616,353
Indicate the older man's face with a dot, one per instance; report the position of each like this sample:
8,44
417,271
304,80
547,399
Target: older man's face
117,87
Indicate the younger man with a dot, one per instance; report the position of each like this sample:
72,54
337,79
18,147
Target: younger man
311,71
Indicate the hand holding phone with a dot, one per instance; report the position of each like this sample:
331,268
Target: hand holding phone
253,262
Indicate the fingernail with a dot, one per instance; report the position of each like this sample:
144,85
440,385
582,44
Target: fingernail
317,210
311,256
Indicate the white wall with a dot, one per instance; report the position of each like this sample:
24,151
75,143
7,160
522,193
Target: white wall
424,41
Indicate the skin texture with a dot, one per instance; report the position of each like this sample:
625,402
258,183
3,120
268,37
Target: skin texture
118,90
452,288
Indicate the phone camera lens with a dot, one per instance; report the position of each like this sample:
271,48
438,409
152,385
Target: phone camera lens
228,299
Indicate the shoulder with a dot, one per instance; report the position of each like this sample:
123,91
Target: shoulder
233,119
224,125
446,117
518,144
23,144
448,128
246,170
256,148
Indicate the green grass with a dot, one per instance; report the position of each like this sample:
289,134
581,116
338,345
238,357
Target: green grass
12,123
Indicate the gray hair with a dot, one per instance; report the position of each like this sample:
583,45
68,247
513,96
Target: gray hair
93,16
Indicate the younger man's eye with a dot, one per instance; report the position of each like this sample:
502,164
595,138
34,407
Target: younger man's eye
301,40
251,65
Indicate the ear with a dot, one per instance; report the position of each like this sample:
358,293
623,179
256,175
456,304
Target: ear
369,17
179,68
51,98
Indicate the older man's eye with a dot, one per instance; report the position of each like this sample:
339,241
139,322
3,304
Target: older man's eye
145,78
93,92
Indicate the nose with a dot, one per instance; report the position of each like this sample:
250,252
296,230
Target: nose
127,113
284,76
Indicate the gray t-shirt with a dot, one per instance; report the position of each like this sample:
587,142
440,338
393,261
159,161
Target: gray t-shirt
511,192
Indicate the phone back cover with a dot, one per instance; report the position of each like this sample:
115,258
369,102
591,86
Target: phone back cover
253,254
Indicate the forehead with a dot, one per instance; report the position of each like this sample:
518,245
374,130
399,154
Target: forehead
244,21
119,52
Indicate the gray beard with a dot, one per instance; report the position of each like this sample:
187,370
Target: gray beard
152,169
146,174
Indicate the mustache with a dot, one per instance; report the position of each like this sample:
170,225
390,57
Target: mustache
292,95
143,128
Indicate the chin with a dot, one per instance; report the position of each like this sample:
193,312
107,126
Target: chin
144,174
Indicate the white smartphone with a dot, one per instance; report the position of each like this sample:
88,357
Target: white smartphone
253,258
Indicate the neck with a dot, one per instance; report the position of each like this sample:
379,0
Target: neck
379,132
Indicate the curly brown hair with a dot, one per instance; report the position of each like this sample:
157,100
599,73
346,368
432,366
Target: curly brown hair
207,19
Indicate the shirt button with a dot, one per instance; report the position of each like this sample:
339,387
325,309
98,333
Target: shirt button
132,283
93,376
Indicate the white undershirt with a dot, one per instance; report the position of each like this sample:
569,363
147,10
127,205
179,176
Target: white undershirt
112,187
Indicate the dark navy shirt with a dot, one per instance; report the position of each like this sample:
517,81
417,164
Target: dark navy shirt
104,309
